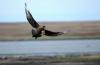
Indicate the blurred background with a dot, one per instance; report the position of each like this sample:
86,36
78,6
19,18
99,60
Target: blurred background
50,10
78,19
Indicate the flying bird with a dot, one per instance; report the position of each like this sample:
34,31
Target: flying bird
38,30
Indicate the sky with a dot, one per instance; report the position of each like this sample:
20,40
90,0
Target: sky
50,10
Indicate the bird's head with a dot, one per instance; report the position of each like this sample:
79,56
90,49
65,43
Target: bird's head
44,27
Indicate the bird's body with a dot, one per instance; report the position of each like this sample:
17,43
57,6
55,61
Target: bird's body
38,30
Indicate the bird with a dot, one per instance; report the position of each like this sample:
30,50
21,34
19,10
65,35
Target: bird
38,30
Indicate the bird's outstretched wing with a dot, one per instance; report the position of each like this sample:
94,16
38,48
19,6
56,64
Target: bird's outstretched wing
51,33
30,18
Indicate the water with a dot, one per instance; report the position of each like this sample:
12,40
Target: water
51,46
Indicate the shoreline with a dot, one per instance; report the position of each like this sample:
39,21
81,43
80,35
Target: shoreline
51,60
11,40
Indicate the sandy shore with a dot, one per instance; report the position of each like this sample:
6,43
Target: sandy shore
72,30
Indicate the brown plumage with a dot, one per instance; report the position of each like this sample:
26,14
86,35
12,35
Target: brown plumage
37,29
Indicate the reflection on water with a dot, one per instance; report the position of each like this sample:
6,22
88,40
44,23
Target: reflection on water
54,46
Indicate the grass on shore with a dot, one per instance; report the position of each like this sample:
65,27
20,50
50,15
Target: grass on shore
78,30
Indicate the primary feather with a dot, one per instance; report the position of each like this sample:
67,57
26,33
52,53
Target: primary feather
30,18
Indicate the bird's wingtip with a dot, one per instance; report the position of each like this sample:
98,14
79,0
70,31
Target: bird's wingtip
60,33
25,4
